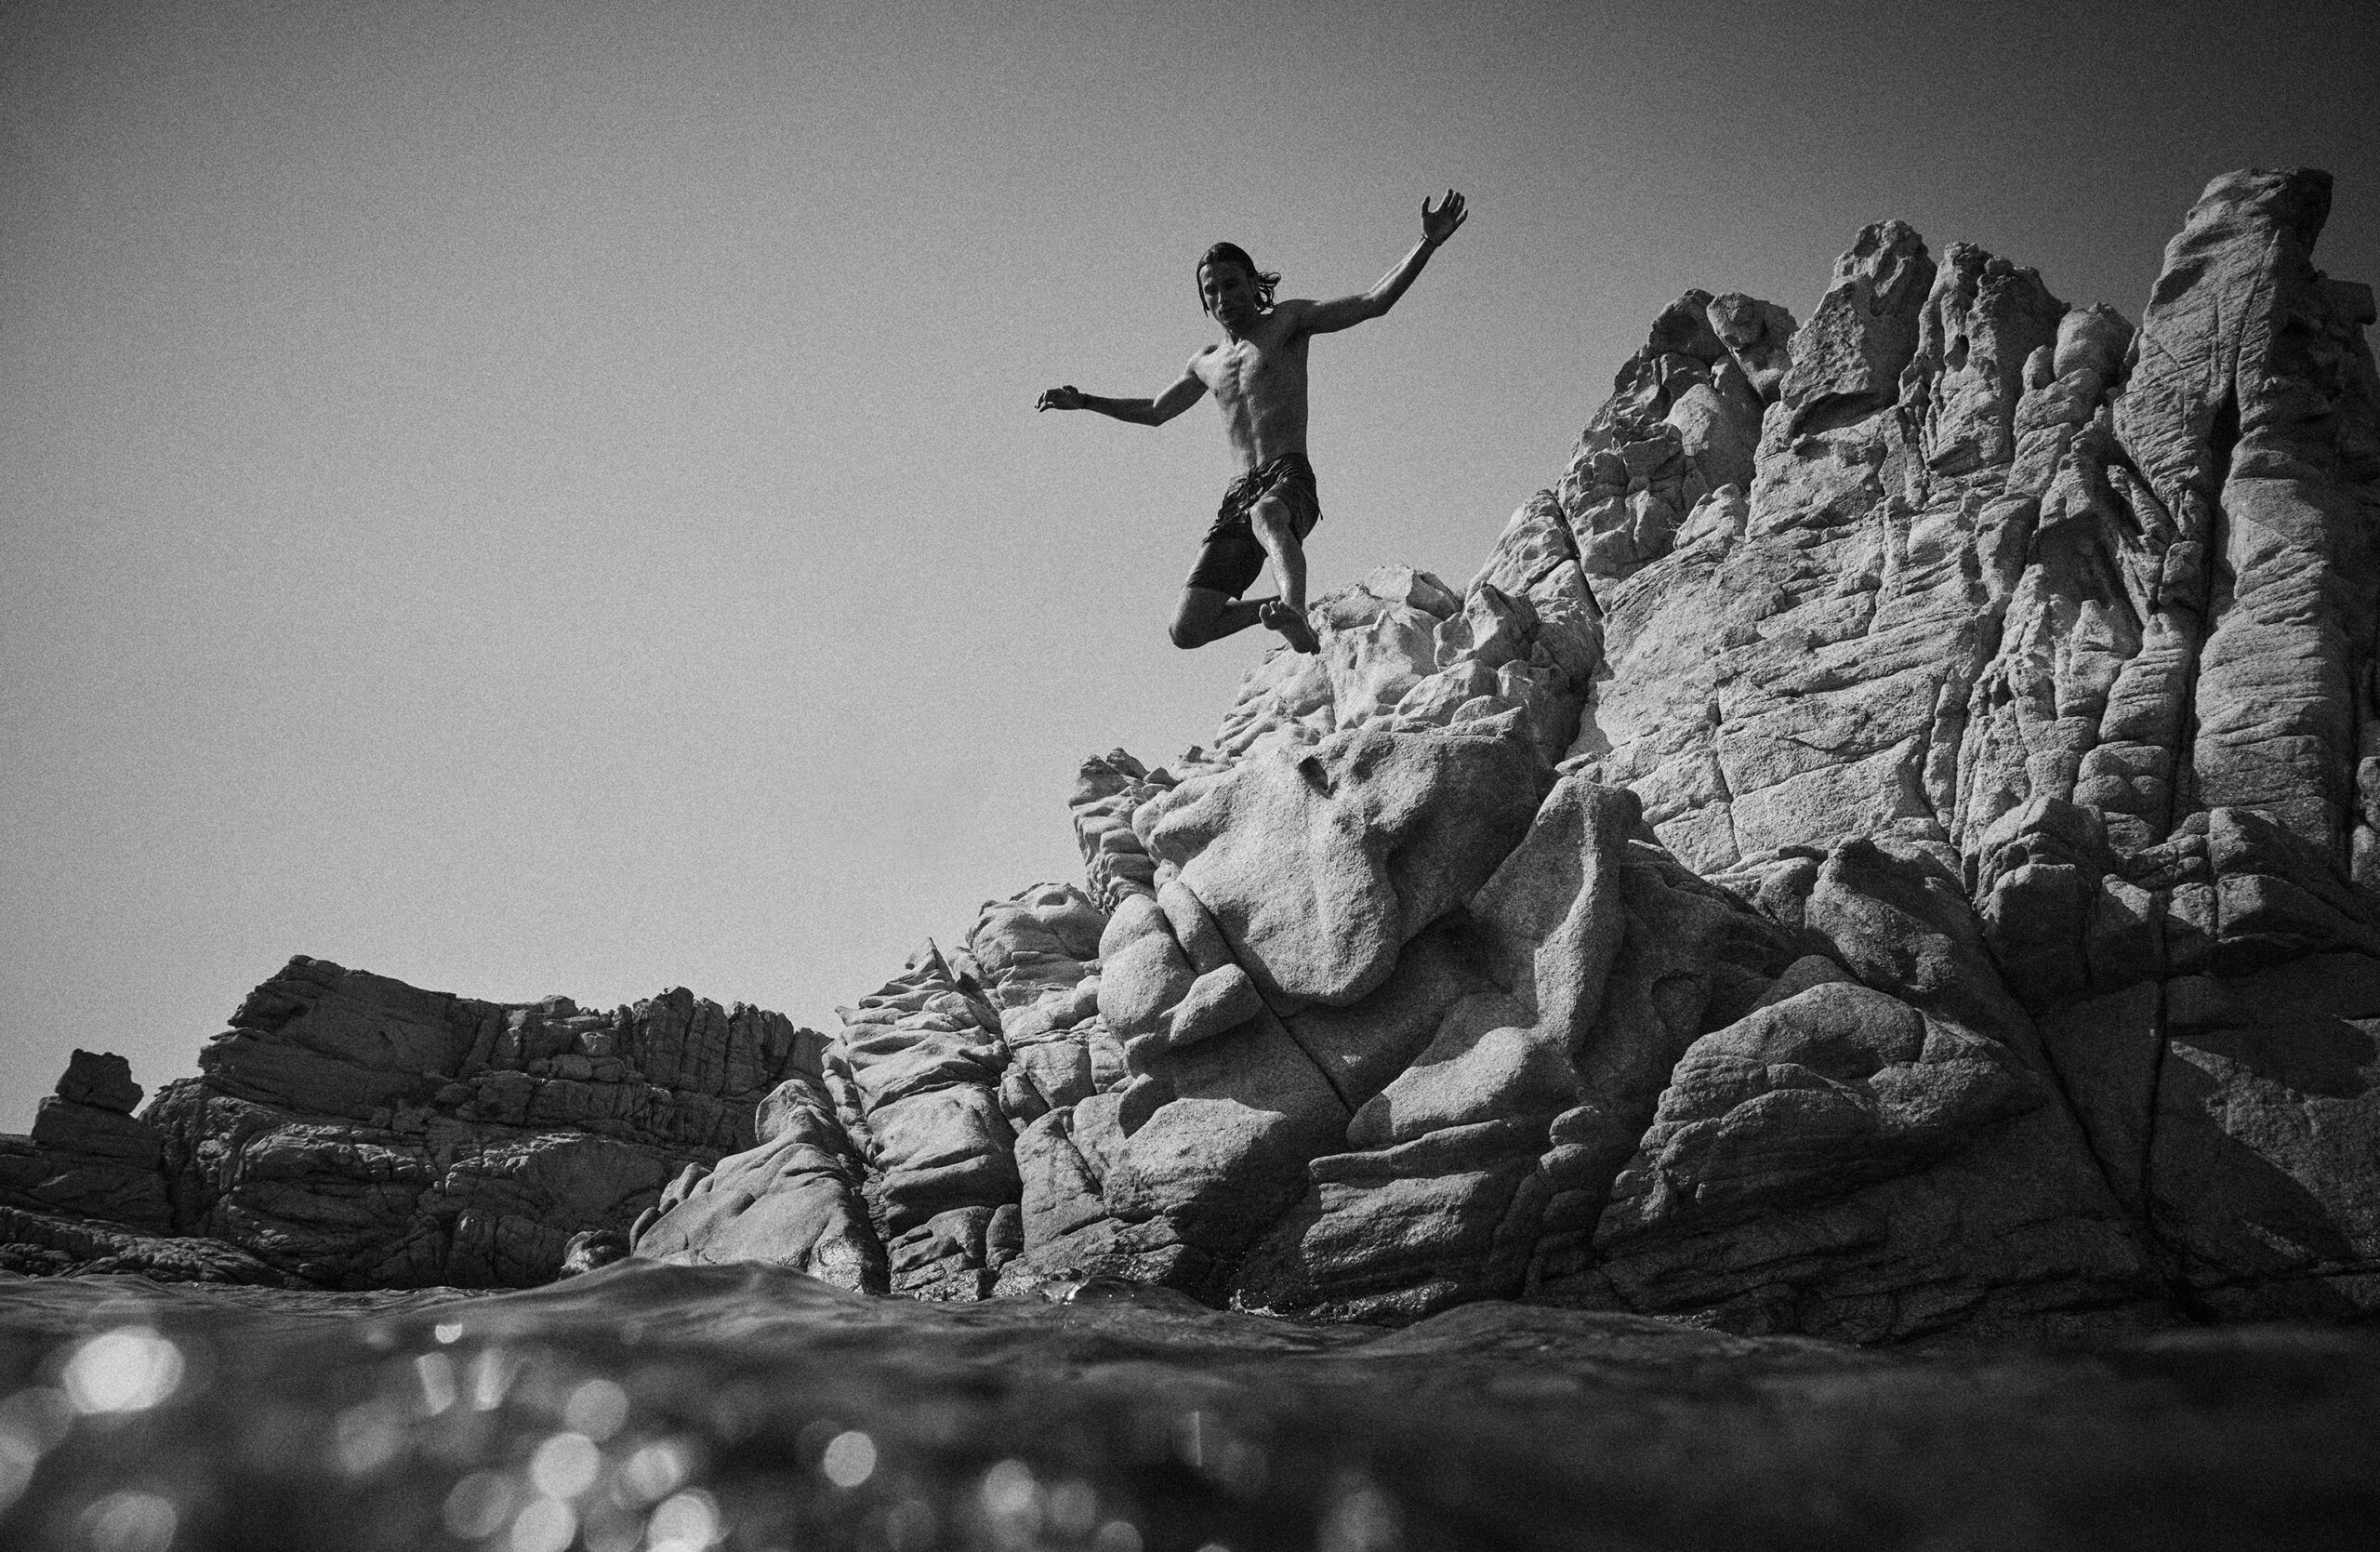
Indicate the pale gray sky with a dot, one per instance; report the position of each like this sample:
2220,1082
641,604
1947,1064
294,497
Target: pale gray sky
545,498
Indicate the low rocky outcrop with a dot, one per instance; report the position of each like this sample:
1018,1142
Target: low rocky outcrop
911,1164
1885,845
88,1157
348,1131
48,1244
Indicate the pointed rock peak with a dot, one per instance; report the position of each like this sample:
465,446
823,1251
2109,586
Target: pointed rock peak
1684,328
2296,199
1848,358
1886,264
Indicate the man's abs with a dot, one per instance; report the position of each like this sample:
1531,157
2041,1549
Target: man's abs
1262,396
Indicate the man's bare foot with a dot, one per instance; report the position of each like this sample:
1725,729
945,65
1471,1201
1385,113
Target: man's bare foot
1290,623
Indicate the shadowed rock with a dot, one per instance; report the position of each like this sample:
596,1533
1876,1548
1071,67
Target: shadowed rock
356,1132
87,1156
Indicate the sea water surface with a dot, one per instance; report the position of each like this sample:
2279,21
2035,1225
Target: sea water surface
684,1408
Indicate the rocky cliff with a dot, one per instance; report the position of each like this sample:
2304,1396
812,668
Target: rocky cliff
1885,845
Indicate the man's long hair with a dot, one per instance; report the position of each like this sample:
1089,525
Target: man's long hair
1232,253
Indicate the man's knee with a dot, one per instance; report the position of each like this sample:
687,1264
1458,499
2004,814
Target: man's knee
1194,622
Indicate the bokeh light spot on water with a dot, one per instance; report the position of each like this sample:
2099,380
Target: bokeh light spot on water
130,1369
910,1526
1012,1499
1361,1516
492,1372
480,1503
608,1528
1206,1443
654,1472
18,1460
32,1423
737,1411
686,1522
597,1409
849,1459
544,1525
1072,1508
368,1436
565,1465
129,1520
1117,1535
436,1373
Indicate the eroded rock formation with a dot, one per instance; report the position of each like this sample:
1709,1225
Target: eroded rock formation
87,1156
349,1131
1884,845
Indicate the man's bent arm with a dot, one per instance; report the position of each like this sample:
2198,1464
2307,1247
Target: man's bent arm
1346,311
1137,412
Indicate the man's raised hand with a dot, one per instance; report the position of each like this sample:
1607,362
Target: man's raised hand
1439,224
1068,397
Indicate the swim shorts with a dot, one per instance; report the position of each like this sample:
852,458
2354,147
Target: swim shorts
1231,557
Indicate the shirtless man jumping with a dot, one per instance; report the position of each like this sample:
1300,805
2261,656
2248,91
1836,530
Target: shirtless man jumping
1257,373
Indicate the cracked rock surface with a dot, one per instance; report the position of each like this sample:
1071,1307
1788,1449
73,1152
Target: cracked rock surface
1887,844
348,1131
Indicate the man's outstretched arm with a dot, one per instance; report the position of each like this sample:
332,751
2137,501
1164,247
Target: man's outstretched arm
1138,412
1346,311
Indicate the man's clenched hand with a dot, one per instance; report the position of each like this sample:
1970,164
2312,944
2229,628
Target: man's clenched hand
1068,397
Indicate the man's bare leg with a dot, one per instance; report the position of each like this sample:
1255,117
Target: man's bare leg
1270,522
1207,616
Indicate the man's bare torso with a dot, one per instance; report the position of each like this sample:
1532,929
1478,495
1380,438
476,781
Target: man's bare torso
1259,381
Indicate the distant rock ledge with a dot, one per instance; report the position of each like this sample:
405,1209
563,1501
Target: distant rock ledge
1888,845
348,1131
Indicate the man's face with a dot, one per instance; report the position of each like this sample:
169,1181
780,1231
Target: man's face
1230,292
